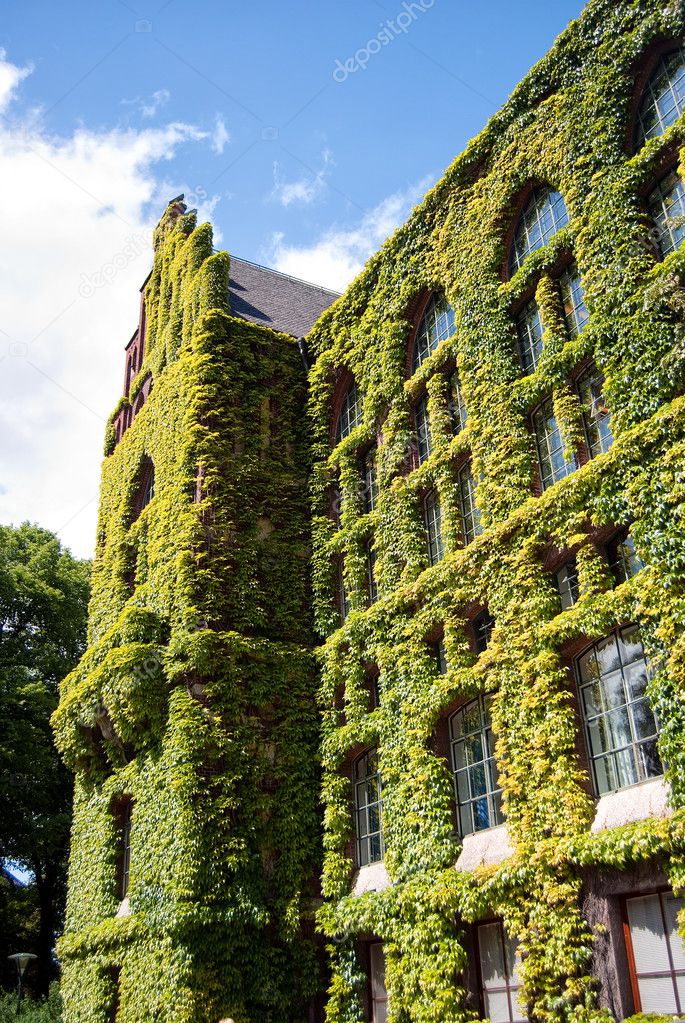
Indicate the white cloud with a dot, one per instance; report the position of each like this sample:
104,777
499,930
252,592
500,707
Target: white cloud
159,99
10,77
220,136
335,259
304,189
75,214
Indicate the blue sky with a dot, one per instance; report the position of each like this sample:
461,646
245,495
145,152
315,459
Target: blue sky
304,131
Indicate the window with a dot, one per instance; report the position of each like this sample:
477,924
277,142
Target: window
351,413
483,625
499,963
368,807
529,330
598,434
667,209
379,996
656,953
455,403
115,978
469,513
662,100
620,726
370,480
553,462
478,795
372,585
566,582
336,504
423,429
437,324
432,520
343,599
146,484
573,301
623,558
544,215
440,656
122,813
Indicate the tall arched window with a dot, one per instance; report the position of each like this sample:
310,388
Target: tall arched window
351,412
368,809
544,215
479,797
667,209
664,97
437,324
619,724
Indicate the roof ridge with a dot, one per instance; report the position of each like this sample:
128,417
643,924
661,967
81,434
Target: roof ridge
279,273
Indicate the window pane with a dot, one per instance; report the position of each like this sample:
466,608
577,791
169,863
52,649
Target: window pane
475,772
553,463
667,209
368,805
370,483
436,325
662,102
470,515
350,413
529,330
423,430
432,519
620,726
672,907
544,215
573,300
455,404
598,434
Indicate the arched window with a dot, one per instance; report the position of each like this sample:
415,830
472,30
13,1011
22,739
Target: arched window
479,797
368,809
351,412
620,726
146,486
664,97
148,490
437,324
666,205
544,215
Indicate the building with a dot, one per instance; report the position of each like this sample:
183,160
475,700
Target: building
495,459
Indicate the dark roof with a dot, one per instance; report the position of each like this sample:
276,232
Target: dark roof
276,300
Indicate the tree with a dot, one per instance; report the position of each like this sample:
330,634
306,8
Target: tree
43,612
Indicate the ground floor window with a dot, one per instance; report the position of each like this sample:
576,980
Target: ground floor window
656,953
379,996
499,962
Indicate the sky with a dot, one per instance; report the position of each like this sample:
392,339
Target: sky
305,131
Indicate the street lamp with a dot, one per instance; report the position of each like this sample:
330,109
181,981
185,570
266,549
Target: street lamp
21,961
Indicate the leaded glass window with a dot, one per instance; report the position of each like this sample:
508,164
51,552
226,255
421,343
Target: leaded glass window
432,520
573,301
529,330
437,324
455,403
553,463
542,218
469,513
667,210
370,480
423,429
598,434
664,96
620,726
368,808
478,795
351,412
483,626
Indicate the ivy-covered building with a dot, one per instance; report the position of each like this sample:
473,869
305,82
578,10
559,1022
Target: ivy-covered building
451,516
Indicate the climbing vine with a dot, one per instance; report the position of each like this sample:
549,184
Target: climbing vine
565,125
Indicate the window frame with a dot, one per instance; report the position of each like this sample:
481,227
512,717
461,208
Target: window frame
344,411
373,1000
435,544
548,402
533,203
607,754
660,892
661,231
422,347
656,65
528,352
509,989
424,447
593,373
488,763
367,835
469,512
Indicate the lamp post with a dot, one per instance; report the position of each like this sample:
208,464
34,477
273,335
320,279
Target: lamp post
21,961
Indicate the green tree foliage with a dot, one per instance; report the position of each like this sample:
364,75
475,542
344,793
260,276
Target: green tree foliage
43,609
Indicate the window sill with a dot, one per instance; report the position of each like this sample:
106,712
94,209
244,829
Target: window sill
371,878
124,909
635,803
485,848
